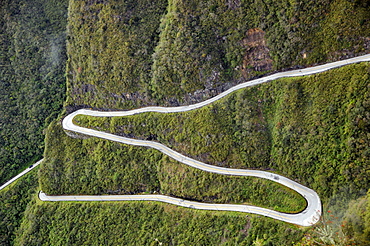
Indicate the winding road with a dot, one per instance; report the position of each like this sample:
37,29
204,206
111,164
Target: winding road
309,216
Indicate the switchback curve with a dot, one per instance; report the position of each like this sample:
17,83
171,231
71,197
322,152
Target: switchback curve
309,216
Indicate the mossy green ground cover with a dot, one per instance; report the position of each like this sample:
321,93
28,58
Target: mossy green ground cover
311,129
144,223
125,54
13,202
32,81
284,111
95,166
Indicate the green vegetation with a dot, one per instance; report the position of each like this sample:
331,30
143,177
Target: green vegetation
357,220
93,166
345,222
110,45
124,54
13,203
311,129
145,223
295,115
32,67
184,51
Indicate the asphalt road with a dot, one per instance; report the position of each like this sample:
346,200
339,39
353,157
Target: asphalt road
21,174
309,216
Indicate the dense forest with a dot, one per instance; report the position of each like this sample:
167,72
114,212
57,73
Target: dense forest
179,52
150,223
289,120
32,78
123,54
13,203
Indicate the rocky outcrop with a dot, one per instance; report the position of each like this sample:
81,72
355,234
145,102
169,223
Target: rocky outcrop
257,56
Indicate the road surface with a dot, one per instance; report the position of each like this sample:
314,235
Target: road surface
309,216
21,174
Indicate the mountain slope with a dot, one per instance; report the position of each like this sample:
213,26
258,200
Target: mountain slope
124,54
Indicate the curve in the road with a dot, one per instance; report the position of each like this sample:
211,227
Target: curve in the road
309,216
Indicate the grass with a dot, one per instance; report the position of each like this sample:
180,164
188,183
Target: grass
287,121
143,223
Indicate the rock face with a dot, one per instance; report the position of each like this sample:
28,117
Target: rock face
76,135
257,57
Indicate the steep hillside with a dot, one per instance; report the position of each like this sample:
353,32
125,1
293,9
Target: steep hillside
148,223
32,82
178,52
312,129
123,54
110,48
13,203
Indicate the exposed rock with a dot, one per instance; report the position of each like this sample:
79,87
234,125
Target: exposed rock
76,135
257,57
233,4
87,88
